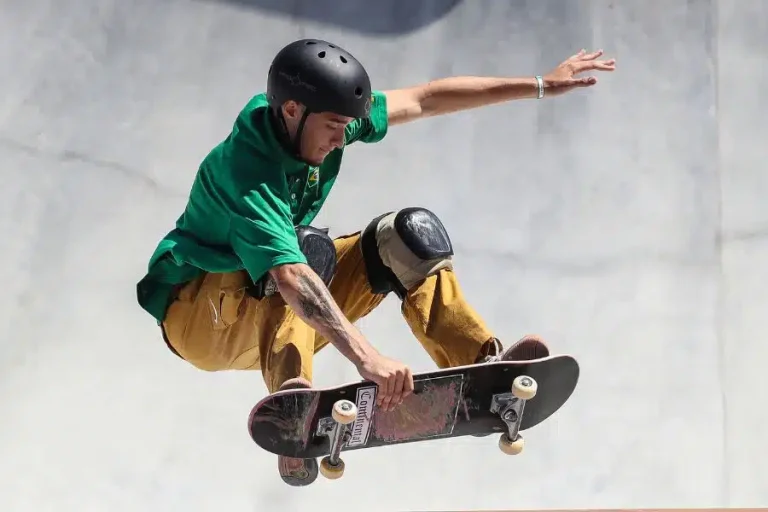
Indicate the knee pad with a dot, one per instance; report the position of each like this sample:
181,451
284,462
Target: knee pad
402,248
319,250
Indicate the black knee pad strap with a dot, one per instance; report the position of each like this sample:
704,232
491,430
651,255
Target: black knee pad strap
380,277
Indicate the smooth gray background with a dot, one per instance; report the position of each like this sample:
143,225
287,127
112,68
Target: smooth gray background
626,223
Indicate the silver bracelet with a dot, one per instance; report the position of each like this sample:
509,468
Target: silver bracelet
540,81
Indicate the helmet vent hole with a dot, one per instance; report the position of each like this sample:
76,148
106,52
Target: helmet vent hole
358,92
311,42
331,46
343,59
321,55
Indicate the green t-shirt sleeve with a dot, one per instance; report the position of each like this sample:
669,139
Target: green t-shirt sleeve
375,127
261,230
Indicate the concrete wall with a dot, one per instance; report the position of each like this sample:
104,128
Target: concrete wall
625,223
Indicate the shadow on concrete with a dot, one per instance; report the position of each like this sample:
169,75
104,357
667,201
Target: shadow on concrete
383,17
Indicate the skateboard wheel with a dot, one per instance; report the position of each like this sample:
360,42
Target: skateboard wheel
330,471
511,447
344,412
524,387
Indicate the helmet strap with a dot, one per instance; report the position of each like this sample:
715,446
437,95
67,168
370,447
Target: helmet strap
292,146
299,131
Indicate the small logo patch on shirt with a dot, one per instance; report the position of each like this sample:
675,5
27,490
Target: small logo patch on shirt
314,176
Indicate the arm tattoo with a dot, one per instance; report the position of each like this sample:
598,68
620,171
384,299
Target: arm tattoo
317,304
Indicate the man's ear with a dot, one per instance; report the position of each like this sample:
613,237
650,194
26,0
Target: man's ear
292,110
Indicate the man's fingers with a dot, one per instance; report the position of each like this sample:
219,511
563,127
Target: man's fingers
385,394
583,82
607,64
390,391
394,388
582,55
577,55
408,383
590,56
382,392
600,64
398,398
581,67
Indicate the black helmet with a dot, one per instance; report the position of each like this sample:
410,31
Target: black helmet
320,75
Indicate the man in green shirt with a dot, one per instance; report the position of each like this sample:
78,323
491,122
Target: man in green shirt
244,281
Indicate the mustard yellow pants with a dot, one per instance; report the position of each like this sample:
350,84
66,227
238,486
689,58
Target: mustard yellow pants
214,325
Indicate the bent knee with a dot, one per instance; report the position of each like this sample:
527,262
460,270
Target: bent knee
404,247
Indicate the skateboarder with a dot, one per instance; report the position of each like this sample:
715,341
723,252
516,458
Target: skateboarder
245,282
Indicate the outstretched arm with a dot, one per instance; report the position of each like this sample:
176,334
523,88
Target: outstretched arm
458,93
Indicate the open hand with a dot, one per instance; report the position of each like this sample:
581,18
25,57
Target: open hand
563,78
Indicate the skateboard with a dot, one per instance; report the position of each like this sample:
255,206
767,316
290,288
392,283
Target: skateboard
503,398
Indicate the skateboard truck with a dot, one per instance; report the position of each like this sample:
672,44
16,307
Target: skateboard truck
510,407
344,412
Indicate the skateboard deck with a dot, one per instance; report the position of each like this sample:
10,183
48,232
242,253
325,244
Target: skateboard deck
476,400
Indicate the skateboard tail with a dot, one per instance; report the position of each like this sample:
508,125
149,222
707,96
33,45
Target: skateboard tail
284,419
557,379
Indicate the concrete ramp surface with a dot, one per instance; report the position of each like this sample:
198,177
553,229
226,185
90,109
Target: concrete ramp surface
625,223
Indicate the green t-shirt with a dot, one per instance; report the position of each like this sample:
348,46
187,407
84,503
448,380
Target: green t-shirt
246,199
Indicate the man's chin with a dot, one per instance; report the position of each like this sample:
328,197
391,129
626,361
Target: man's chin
316,161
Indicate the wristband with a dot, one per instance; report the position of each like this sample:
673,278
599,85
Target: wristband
540,82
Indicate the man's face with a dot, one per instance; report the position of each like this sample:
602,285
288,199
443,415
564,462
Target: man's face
322,132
